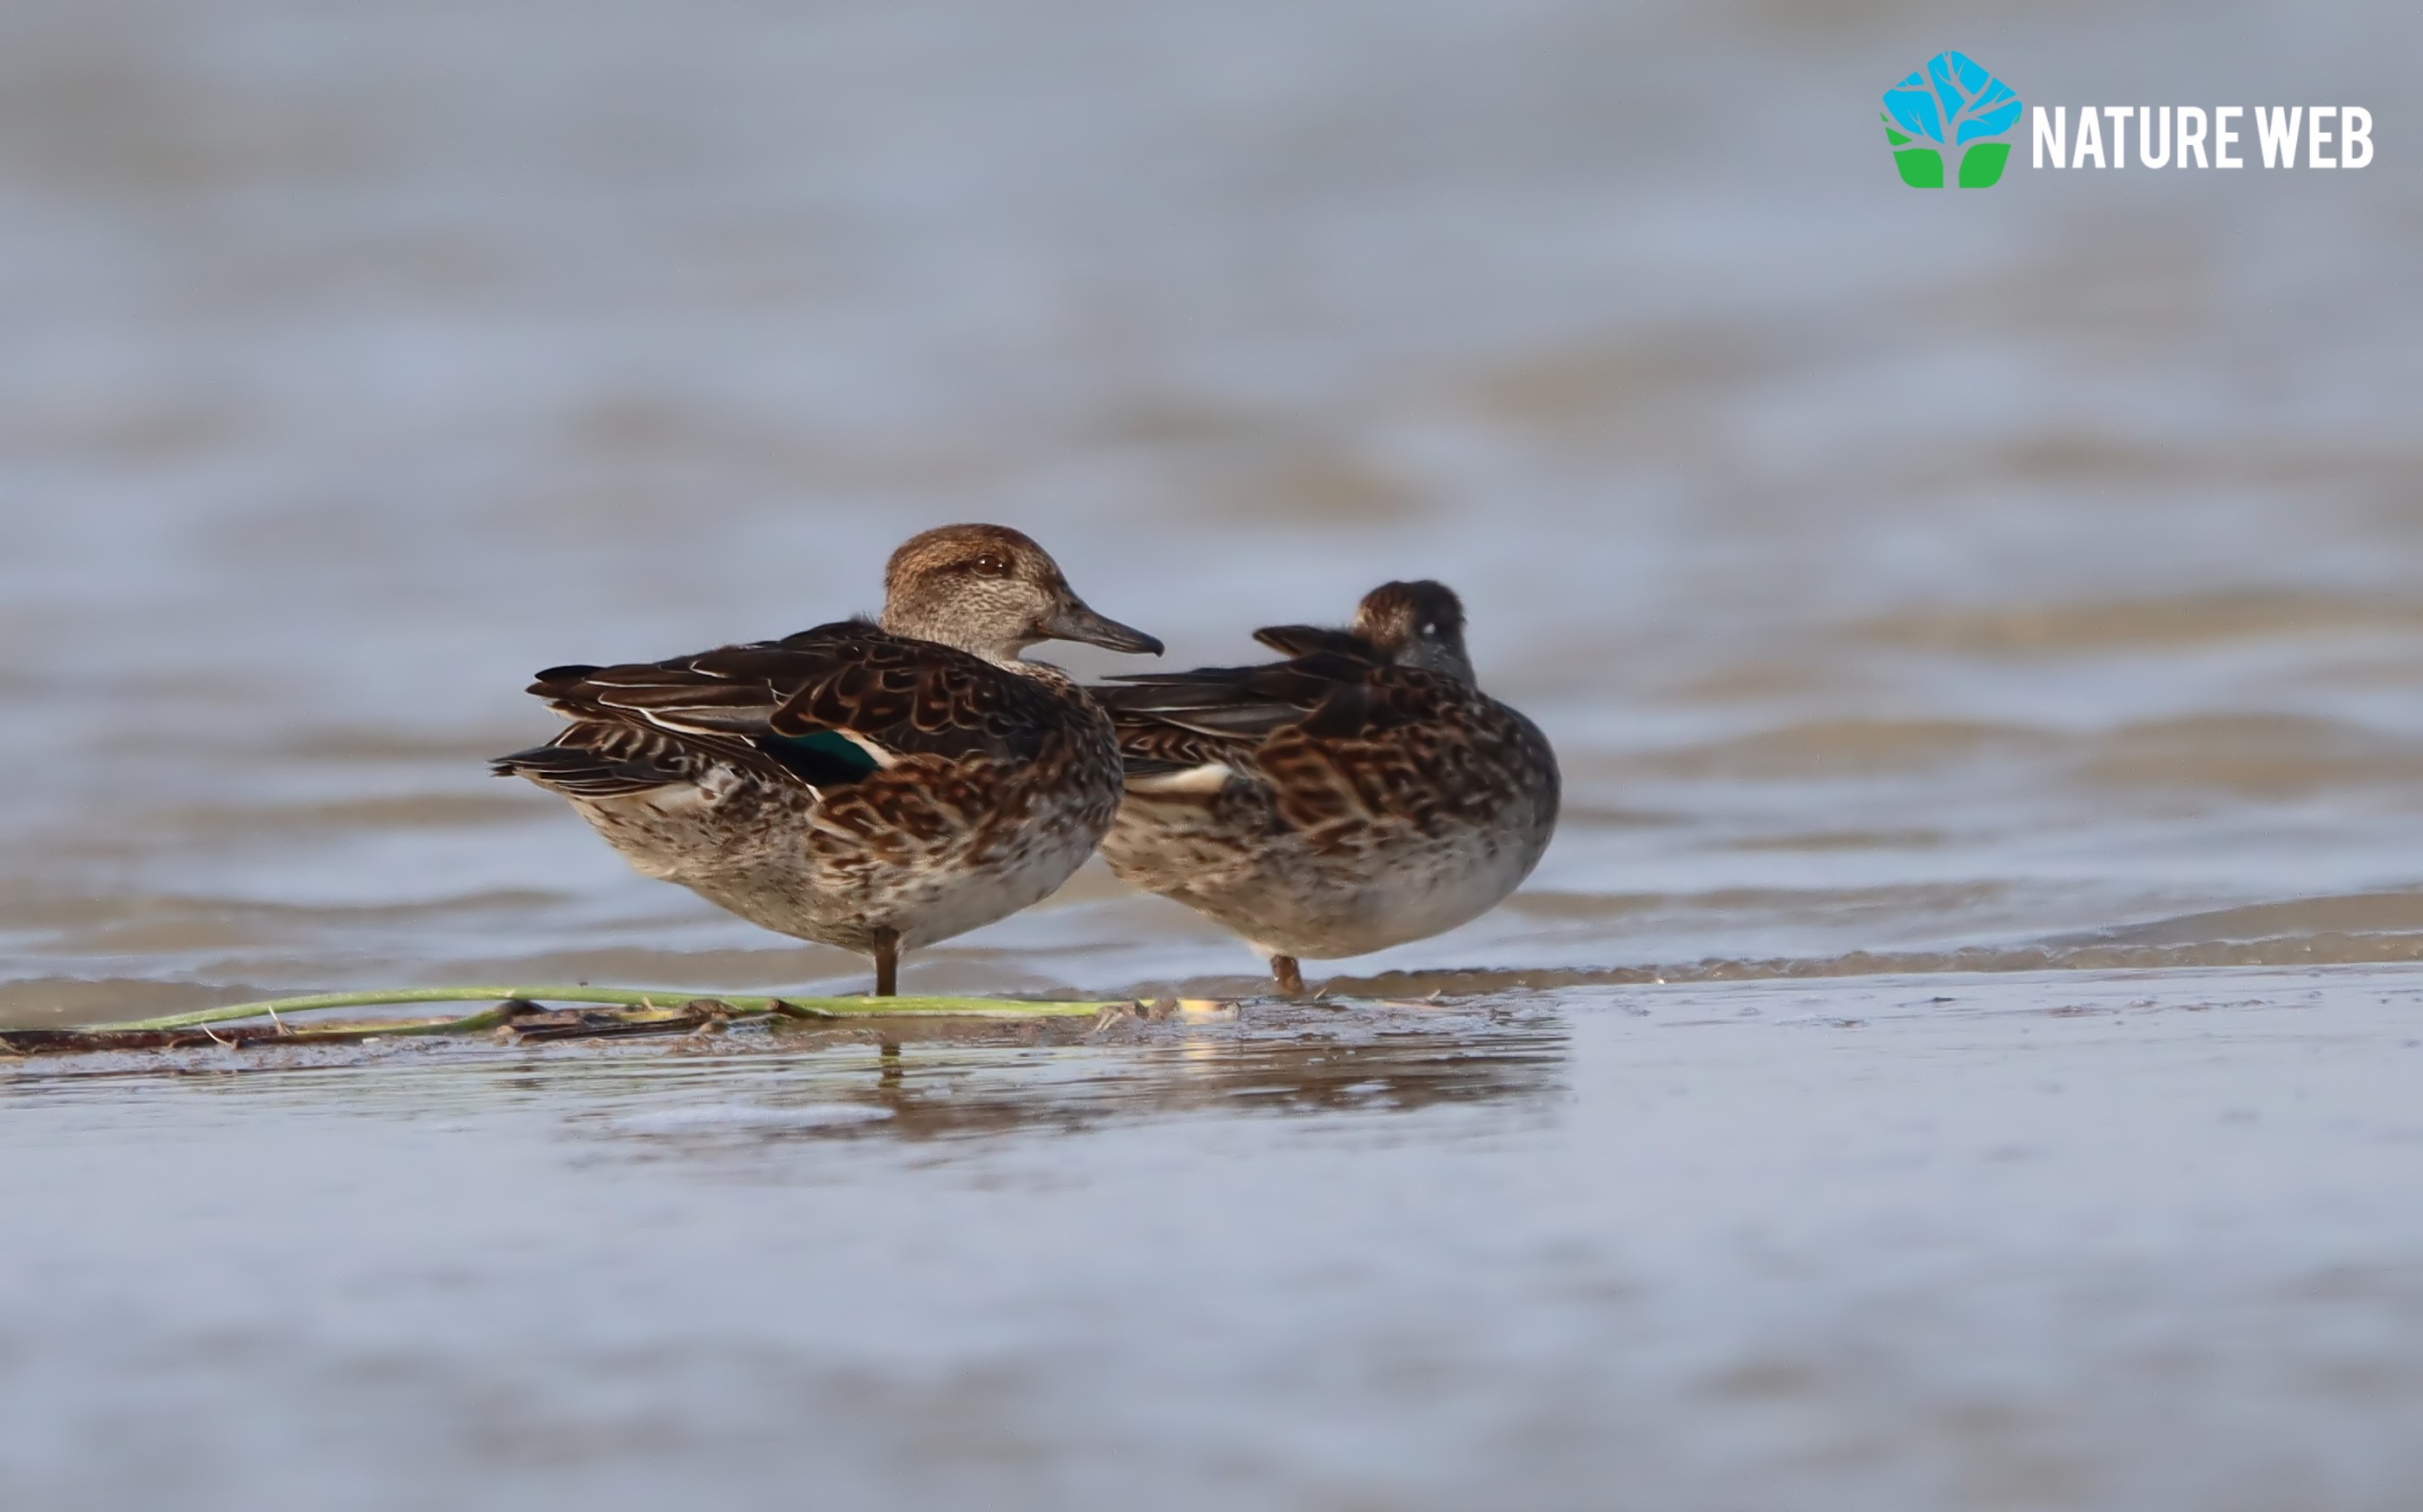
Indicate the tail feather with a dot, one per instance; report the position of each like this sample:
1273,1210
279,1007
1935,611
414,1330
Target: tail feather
580,772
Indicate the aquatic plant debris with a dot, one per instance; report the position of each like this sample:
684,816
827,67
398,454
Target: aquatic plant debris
522,1012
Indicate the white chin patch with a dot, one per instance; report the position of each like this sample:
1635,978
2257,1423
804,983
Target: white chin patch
1207,778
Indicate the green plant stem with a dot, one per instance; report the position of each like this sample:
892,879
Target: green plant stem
625,997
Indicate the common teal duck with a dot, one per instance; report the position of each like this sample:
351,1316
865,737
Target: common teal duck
1360,794
873,787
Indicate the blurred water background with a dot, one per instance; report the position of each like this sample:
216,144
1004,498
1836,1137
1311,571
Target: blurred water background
2028,570
2016,581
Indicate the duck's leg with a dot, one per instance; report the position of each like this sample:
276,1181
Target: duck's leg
887,962
1290,974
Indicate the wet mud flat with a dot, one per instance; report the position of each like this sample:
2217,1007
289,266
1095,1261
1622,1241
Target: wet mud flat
2141,1240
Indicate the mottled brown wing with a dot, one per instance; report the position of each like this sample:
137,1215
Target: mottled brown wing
813,704
609,758
1177,720
1405,749
1148,748
915,697
1173,721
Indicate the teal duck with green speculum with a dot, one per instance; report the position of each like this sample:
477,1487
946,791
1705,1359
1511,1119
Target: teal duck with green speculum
878,786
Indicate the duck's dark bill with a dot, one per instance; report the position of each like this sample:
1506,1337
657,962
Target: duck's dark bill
1078,623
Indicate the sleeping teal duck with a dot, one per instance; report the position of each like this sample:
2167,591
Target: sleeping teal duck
1360,794
873,787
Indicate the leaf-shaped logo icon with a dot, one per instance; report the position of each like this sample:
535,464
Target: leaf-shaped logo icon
1946,107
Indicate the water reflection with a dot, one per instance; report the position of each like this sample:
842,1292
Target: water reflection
913,1081
1263,1059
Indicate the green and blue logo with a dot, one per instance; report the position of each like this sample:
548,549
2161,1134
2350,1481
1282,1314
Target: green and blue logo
1952,105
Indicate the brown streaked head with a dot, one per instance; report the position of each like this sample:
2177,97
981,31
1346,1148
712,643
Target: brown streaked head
990,590
1416,625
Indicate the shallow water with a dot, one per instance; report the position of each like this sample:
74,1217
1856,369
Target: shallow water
1990,1242
1987,596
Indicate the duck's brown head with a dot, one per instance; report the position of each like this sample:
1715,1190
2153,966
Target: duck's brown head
992,590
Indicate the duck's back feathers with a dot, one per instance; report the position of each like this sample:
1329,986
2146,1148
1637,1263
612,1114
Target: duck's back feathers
1339,688
824,708
605,759
1308,640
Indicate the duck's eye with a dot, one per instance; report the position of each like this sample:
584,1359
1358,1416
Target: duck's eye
990,565
1428,631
